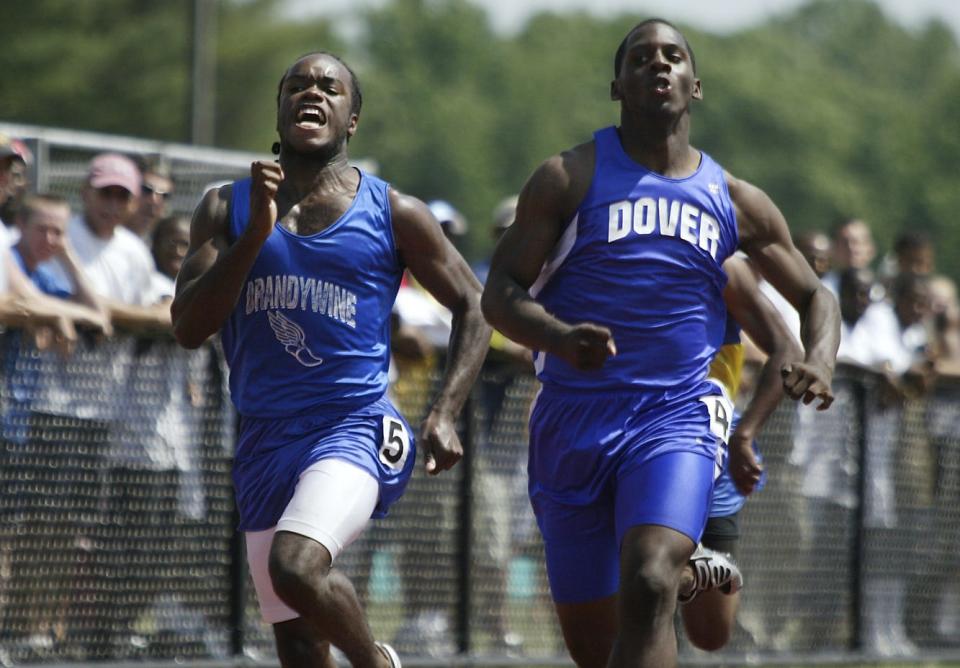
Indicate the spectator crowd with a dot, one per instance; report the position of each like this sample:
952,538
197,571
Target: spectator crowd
100,405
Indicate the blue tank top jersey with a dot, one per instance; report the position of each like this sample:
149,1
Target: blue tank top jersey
310,334
731,332
642,256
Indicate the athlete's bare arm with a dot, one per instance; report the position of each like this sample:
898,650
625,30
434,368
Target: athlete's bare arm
765,237
547,203
439,268
758,317
211,278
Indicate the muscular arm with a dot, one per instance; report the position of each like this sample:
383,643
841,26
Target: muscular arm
546,205
443,272
212,275
765,237
760,320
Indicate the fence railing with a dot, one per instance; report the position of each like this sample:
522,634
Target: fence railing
61,159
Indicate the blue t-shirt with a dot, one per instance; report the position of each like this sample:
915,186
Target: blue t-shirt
46,281
642,256
22,373
310,334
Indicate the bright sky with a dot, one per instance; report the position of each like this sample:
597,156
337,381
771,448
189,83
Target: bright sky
710,15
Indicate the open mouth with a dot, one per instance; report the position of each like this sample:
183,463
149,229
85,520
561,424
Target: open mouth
661,86
310,117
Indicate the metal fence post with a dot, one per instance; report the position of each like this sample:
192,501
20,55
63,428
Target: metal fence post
858,552
37,172
465,529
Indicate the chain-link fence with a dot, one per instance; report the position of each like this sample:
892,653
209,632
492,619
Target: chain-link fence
117,522
116,510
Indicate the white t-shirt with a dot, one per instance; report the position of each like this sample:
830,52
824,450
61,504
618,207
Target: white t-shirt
417,308
877,339
4,259
789,314
86,384
120,267
824,445
162,287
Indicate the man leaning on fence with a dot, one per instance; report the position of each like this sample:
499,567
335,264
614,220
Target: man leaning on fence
76,403
35,304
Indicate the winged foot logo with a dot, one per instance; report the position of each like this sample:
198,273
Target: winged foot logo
293,339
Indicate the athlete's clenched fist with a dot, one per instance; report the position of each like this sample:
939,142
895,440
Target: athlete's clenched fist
586,346
266,177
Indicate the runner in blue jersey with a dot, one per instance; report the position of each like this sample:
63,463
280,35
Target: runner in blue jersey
299,266
709,602
612,272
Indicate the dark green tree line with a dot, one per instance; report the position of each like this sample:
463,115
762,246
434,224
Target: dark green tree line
834,109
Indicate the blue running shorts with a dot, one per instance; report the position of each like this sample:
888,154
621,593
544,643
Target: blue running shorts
272,453
602,463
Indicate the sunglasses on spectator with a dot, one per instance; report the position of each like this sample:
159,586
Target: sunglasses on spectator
147,189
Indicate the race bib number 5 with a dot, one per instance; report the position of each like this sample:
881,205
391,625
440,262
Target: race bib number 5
396,443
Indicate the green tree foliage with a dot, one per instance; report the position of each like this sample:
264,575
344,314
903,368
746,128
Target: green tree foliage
433,80
116,66
837,111
834,109
124,66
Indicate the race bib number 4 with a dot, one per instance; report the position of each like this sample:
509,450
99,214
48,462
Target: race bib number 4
396,443
721,424
721,416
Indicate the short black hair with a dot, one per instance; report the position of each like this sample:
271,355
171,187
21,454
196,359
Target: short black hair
912,240
621,50
356,96
167,224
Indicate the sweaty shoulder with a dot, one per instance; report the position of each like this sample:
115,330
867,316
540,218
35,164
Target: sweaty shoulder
415,230
735,186
403,207
211,217
756,212
408,214
561,182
